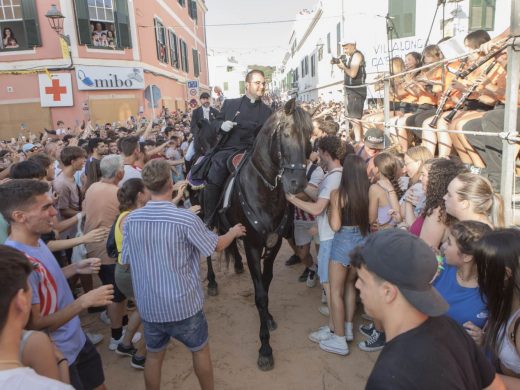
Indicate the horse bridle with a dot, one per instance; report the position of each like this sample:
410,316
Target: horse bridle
283,167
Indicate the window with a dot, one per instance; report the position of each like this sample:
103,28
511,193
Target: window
328,43
229,69
482,15
242,87
338,39
306,63
403,13
196,69
19,25
320,53
182,2
174,50
184,56
313,65
103,23
160,41
302,64
226,86
192,9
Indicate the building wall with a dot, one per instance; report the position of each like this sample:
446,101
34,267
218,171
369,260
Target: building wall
224,72
18,68
365,24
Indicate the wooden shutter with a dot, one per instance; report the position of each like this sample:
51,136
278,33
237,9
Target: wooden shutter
123,24
195,62
82,22
30,20
157,42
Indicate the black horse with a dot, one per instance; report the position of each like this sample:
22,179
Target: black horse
276,165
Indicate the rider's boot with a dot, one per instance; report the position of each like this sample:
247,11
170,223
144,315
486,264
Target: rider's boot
211,199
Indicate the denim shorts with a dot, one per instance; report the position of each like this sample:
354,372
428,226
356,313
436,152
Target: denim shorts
346,239
323,260
192,332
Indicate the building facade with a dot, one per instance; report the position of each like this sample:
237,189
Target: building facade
306,72
124,57
227,74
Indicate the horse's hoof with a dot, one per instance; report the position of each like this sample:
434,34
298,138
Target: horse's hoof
213,291
239,269
272,325
265,363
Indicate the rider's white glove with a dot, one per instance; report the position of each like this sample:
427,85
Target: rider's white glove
227,125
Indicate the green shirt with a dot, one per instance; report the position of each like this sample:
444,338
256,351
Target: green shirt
4,227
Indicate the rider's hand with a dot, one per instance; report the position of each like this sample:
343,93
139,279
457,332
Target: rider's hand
227,126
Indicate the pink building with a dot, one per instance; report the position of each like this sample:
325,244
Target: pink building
118,48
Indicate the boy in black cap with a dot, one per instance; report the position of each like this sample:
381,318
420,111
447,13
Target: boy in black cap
424,349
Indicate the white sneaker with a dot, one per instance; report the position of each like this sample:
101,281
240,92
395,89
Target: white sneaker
311,279
95,338
324,309
321,334
349,332
112,345
105,318
335,344
323,297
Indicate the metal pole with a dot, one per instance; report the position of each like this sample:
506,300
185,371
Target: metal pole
508,149
152,101
386,108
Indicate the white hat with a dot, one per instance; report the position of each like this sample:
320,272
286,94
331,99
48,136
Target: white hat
347,42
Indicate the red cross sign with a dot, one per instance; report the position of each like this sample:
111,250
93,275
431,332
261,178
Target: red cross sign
56,90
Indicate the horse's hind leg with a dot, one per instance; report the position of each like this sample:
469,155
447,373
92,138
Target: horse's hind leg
265,354
212,283
267,277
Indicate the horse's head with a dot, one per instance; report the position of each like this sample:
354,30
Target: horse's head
291,144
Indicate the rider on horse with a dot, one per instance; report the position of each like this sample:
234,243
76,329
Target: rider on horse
240,120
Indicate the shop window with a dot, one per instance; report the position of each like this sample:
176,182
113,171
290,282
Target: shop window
161,44
192,9
174,50
103,24
403,18
19,25
482,15
196,69
184,56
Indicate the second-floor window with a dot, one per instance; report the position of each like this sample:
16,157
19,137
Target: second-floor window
403,18
192,9
184,56
19,25
196,62
161,43
103,24
482,15
174,50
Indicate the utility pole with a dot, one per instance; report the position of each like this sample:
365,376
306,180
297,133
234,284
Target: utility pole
508,148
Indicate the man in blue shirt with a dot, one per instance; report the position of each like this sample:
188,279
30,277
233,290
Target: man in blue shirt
163,245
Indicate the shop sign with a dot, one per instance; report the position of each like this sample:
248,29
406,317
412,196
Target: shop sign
109,78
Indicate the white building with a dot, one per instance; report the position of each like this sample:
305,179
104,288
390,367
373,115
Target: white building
226,73
306,71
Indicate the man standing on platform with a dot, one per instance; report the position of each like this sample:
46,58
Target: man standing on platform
352,63
240,120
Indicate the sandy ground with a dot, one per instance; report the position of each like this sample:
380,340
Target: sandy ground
234,327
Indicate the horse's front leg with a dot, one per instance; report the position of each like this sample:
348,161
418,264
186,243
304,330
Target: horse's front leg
265,354
212,283
267,277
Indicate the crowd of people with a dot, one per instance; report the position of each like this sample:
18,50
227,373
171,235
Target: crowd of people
412,225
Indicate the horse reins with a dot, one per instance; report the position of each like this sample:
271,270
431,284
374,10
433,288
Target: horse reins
283,167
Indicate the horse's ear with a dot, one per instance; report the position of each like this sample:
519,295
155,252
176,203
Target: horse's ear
290,106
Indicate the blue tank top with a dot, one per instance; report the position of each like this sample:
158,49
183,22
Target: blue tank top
465,303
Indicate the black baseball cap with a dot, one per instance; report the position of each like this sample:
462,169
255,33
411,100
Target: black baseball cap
409,263
375,139
204,95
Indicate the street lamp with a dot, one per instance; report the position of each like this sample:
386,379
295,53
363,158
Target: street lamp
55,18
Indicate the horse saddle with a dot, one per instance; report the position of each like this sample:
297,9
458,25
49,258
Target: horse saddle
234,161
195,178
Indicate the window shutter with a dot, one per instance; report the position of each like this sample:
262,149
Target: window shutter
83,22
157,42
30,19
123,24
193,9
195,62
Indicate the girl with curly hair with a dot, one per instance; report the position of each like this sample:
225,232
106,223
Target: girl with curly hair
384,195
433,222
